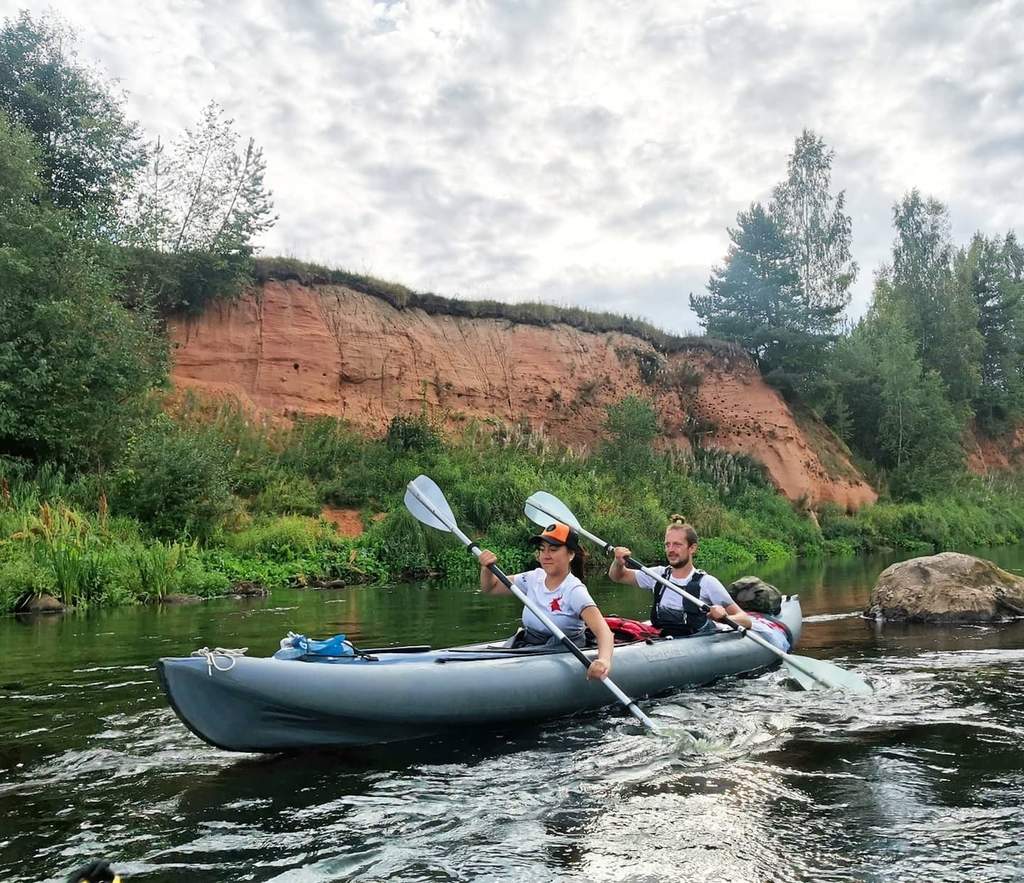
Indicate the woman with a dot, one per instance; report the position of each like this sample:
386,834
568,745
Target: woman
557,588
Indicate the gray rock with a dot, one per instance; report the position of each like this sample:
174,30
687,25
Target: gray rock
948,587
40,603
248,589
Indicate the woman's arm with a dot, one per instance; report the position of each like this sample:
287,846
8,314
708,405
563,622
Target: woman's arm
489,583
601,667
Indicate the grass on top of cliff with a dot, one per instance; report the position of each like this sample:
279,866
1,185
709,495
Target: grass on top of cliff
524,313
210,499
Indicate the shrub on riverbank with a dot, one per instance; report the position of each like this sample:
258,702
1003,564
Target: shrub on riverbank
70,539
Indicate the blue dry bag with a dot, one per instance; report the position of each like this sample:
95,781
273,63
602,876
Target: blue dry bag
297,646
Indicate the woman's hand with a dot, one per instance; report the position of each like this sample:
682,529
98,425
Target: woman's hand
622,553
717,612
599,670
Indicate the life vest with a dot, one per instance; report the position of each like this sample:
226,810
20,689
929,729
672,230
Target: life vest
687,621
630,630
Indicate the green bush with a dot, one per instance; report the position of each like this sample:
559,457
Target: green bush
174,480
285,537
718,553
412,434
295,495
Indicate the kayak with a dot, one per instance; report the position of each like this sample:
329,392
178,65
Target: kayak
267,704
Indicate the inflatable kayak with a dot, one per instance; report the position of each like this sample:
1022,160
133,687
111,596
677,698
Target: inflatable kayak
243,703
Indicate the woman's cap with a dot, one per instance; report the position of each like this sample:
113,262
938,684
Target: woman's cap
557,534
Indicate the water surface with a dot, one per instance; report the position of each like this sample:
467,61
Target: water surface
924,780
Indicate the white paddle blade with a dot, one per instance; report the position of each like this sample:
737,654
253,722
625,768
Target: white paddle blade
426,503
811,673
542,508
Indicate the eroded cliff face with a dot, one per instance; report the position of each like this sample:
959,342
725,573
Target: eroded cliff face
289,349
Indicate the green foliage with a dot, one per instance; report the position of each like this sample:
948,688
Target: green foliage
720,553
630,430
195,214
291,536
89,151
940,316
157,567
991,273
412,434
756,300
901,416
183,282
74,364
174,479
813,220
290,494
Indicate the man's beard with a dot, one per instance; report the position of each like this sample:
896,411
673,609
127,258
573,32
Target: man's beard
679,563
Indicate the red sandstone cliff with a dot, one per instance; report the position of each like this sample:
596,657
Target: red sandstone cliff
291,349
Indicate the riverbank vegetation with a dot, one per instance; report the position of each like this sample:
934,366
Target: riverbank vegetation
113,490
205,499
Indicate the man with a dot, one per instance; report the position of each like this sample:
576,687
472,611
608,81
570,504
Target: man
669,612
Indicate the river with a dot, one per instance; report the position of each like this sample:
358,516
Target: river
923,780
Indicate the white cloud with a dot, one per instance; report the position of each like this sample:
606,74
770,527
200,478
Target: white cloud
585,151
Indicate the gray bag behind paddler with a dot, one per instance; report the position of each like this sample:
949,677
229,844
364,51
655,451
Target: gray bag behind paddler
753,594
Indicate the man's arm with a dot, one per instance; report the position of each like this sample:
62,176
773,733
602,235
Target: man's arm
714,593
618,572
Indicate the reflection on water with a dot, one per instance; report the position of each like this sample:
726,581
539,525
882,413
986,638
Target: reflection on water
750,781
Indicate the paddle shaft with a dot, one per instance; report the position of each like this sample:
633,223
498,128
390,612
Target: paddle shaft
536,610
756,638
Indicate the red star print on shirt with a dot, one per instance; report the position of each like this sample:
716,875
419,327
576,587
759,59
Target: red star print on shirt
555,606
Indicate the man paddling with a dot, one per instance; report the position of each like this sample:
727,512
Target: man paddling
670,612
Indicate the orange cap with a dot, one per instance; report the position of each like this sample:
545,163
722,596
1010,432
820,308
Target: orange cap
557,534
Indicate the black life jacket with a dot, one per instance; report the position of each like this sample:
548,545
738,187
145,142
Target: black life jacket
688,621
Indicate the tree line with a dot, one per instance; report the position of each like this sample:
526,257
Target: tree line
939,351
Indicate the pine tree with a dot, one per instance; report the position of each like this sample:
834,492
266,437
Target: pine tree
755,298
987,271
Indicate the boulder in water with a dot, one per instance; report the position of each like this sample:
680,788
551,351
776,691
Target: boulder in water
948,587
177,598
39,602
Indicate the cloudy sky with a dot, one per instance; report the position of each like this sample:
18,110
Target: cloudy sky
586,152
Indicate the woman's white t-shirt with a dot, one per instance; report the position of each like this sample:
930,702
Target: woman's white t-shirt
564,605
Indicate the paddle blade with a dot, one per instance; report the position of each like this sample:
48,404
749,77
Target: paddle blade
811,673
426,503
542,508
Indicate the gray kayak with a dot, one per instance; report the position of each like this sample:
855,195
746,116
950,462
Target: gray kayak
264,704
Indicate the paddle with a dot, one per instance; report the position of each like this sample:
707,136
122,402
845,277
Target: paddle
424,500
543,508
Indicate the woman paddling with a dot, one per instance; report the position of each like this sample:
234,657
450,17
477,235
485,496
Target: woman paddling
557,587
